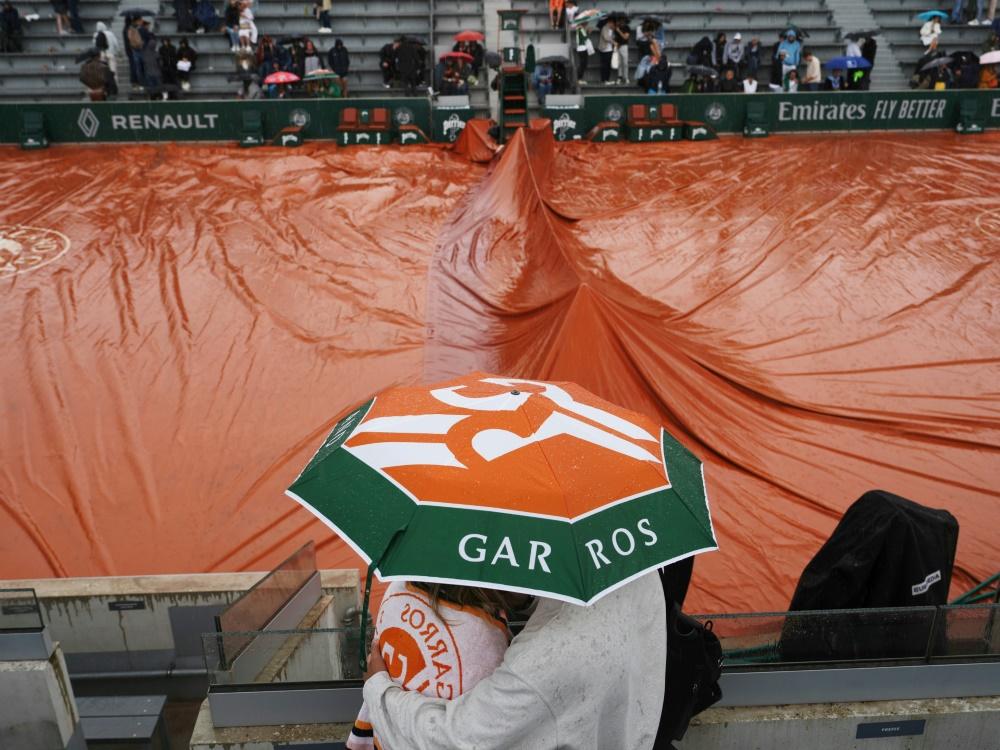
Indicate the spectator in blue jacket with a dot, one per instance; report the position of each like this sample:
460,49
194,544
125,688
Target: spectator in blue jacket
792,48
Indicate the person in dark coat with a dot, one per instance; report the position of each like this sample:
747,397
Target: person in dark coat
151,63
658,77
187,58
701,53
340,62
168,62
205,16
409,65
185,19
387,62
132,44
730,84
298,54
11,30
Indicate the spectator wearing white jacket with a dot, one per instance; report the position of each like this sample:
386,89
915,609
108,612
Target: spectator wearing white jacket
106,42
930,32
587,678
734,54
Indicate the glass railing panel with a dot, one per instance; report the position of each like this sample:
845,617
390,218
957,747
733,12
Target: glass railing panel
19,610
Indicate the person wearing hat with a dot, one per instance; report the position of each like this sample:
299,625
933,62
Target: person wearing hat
734,55
792,49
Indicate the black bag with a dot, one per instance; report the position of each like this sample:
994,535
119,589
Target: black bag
694,664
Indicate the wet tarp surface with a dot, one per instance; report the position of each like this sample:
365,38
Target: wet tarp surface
814,316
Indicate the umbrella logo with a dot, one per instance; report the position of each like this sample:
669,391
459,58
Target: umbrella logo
24,249
88,122
502,434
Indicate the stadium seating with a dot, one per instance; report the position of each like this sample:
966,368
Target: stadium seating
46,69
900,28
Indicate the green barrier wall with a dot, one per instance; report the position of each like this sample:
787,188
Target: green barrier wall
803,112
101,122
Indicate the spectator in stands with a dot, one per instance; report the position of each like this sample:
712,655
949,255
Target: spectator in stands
231,22
187,59
311,58
245,57
205,17
183,12
793,53
409,65
813,77
930,32
153,79
980,17
475,51
11,29
606,49
105,41
622,35
322,9
701,53
340,63
73,6
557,9
387,62
658,77
868,50
730,84
268,56
735,54
719,51
834,81
752,57
61,10
792,81
569,11
541,79
168,66
644,39
852,48
988,77
777,66
453,83
96,76
298,54
247,26
133,49
750,84
584,49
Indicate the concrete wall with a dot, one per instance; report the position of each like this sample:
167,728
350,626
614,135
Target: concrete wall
37,708
969,724
162,619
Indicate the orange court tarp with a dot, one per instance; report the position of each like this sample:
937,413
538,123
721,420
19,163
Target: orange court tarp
814,316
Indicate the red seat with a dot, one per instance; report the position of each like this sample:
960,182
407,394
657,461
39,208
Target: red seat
380,118
348,118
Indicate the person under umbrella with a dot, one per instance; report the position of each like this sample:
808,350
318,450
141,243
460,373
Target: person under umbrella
930,32
310,59
95,75
622,36
387,62
658,76
151,63
580,510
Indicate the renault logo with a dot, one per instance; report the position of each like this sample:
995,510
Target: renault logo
88,122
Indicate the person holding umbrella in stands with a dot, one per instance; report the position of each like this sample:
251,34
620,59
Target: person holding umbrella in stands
572,521
96,76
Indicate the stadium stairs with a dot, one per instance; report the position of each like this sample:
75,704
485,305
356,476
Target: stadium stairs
855,15
901,30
